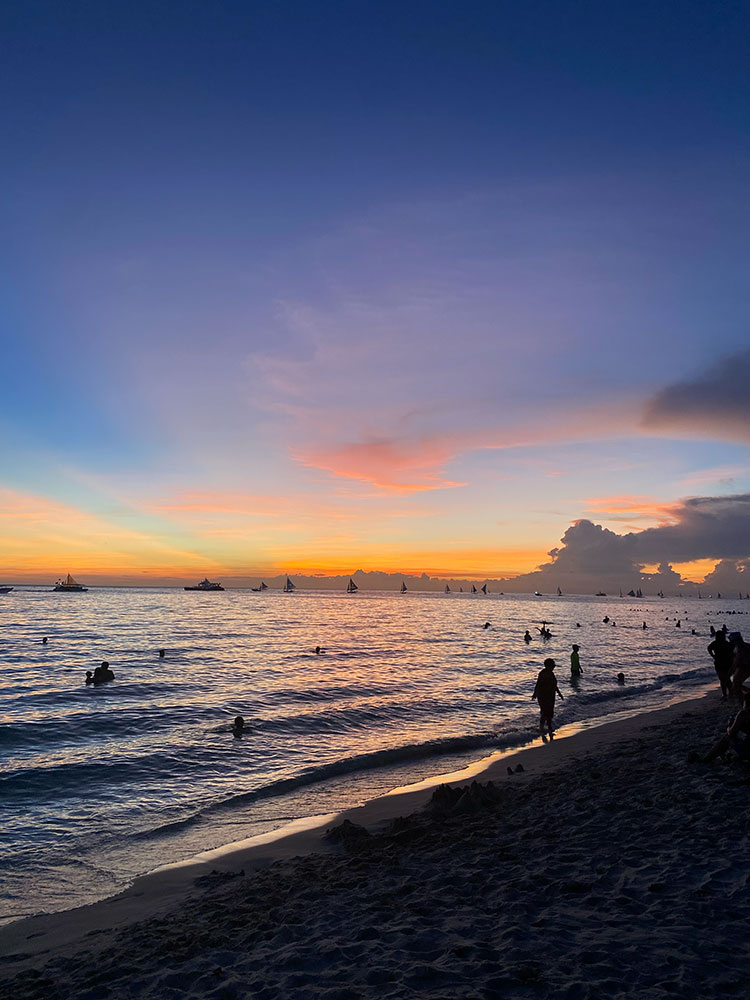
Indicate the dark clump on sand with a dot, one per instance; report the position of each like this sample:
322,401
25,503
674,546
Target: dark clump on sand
619,874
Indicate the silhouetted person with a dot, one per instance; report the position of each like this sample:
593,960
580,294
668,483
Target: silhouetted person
578,624
89,677
679,624
737,737
103,673
545,690
44,641
644,626
621,678
238,726
723,656
162,653
527,636
318,650
740,666
575,663
605,619
486,625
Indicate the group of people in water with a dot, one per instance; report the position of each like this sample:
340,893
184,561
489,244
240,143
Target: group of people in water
731,656
101,675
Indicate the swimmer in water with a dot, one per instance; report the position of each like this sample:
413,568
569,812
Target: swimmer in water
644,626
44,641
318,650
162,653
238,727
578,624
527,636
89,677
486,625
605,619
621,678
103,673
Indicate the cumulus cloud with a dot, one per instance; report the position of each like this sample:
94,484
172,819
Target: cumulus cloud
592,557
713,404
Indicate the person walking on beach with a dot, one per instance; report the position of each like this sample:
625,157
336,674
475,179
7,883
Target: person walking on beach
722,654
545,690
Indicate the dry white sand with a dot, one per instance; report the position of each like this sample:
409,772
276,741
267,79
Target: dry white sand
610,867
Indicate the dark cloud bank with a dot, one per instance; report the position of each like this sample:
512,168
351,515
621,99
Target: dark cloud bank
714,404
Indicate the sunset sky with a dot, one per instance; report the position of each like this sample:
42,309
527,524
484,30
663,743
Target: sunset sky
312,287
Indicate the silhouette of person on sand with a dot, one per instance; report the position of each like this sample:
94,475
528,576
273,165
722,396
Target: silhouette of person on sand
722,654
737,736
544,694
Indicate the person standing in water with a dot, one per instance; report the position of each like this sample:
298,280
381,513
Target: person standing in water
575,663
545,691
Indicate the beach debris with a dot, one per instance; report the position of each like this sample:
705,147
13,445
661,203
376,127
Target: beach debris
347,833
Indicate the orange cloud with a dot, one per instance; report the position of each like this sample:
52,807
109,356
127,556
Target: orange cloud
632,507
398,466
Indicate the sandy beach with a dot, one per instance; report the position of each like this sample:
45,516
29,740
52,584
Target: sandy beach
609,866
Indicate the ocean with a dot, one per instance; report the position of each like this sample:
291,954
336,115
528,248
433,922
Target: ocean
101,784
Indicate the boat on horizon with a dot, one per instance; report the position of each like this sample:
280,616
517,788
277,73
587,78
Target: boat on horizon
257,590
559,592
5,590
351,587
404,588
600,593
473,589
484,588
538,594
206,585
447,589
288,586
69,586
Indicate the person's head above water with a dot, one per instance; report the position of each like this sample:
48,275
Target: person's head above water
105,665
239,723
621,678
549,663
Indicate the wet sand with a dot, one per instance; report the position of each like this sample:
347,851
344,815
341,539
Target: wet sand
609,867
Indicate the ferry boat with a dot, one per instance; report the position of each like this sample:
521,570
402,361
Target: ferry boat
206,585
69,586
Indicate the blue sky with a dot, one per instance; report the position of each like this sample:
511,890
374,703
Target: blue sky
403,277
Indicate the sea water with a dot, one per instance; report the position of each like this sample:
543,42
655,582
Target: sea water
100,784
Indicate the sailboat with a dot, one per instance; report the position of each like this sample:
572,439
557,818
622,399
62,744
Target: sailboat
700,596
639,593
559,592
288,586
631,593
484,588
447,589
620,591
460,590
351,587
403,587
473,589
257,590
661,593
69,586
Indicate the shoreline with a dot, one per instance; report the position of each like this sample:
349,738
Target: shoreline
34,940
